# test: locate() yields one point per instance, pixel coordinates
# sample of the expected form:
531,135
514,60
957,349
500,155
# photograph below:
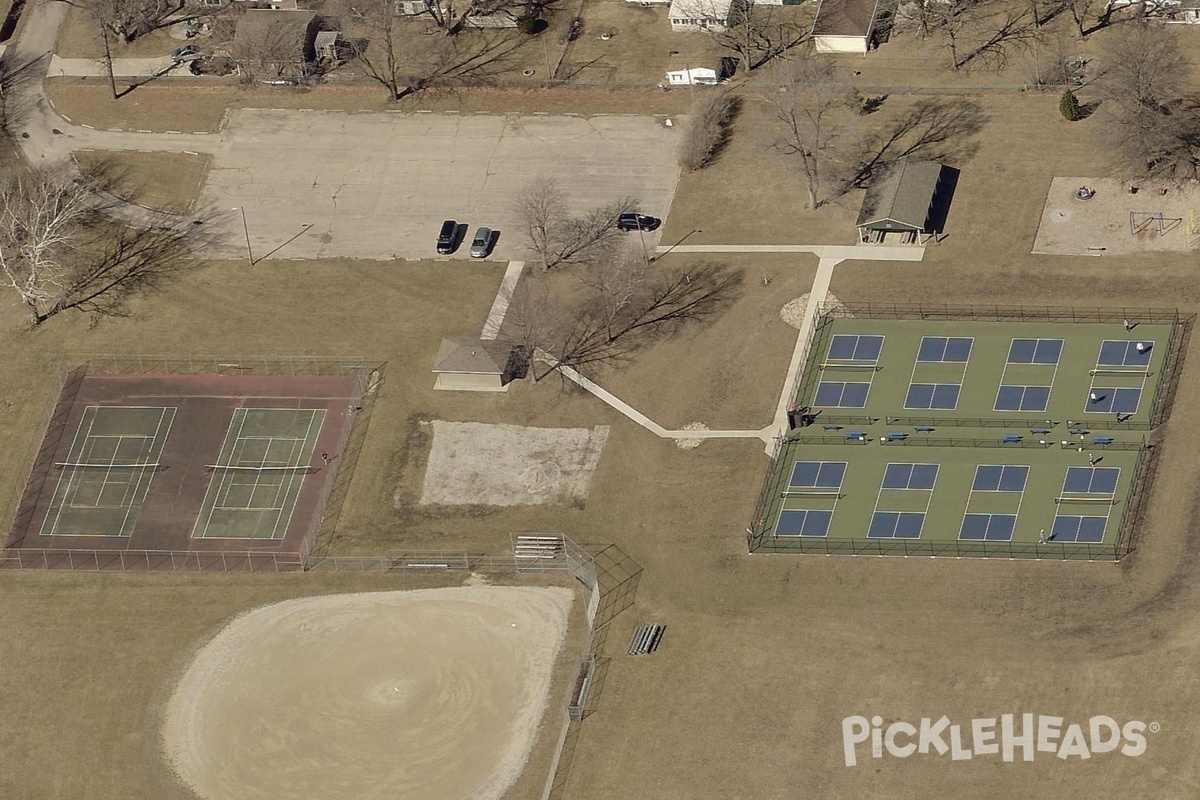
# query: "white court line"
317,413
137,487
216,486
74,470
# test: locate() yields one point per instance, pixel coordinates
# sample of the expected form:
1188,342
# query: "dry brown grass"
641,49
161,181
185,105
763,655
80,38
80,725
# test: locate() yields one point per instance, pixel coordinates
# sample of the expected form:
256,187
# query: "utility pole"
112,81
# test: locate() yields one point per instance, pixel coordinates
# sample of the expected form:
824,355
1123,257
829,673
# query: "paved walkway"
495,318
872,252
830,256
122,67
820,289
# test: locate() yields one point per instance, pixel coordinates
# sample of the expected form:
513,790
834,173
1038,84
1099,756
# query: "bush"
1068,105
709,129
530,24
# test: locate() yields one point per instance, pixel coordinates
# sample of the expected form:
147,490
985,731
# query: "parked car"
633,222
189,52
481,245
447,241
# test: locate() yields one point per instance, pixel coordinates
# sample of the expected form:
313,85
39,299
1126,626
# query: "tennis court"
968,437
107,473
258,475
149,469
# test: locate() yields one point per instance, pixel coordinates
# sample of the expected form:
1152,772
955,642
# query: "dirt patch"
426,694
691,444
473,463
793,310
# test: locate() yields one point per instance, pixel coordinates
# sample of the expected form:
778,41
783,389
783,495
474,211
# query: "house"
1182,12
903,200
844,26
269,44
699,15
700,71
476,365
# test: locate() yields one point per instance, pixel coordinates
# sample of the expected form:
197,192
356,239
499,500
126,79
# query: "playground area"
1095,217
990,434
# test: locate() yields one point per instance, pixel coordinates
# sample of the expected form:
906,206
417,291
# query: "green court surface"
968,437
108,470
986,370
259,474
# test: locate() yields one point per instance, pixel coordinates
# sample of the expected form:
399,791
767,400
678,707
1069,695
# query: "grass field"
764,655
161,181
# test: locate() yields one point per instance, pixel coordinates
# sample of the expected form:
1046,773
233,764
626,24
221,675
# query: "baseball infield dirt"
432,694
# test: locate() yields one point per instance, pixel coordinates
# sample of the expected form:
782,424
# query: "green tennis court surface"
259,474
107,473
967,437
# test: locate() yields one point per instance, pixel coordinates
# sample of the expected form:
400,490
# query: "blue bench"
1039,431
1078,431
1102,440
855,435
923,428
896,436
832,427
1010,437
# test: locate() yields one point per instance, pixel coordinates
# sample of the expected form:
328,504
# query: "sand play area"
1113,220
433,694
475,463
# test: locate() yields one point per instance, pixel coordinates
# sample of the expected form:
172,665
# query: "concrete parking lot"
377,186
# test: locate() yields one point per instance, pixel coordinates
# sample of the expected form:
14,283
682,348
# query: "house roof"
902,194
844,18
475,356
699,9
281,26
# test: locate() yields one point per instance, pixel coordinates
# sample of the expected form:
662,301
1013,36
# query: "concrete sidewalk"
841,252
122,67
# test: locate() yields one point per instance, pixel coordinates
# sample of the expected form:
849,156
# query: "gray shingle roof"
903,194
476,356
844,18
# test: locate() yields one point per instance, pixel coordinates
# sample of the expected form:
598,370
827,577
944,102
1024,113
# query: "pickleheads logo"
1027,733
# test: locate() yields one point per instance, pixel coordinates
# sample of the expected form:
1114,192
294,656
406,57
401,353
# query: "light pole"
246,230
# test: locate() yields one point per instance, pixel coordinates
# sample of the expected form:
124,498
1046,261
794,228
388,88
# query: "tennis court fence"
999,313
938,549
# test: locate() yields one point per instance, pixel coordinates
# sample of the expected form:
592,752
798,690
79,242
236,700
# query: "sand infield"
432,694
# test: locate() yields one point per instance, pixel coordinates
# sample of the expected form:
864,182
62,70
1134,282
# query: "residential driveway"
378,185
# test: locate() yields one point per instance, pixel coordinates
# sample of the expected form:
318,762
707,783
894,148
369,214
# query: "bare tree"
934,129
1142,68
757,33
709,128
399,54
814,107
129,19
619,313
556,236
452,18
1151,126
267,46
58,252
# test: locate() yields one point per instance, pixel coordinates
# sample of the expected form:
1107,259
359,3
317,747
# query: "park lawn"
161,181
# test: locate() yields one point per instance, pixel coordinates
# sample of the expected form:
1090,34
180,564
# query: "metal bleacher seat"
1010,437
